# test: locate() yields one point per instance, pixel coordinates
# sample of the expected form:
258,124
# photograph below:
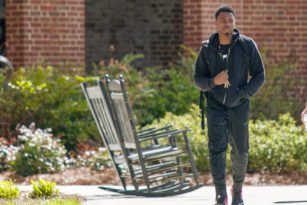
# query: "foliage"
276,95
114,68
278,145
7,155
275,145
167,90
42,192
49,97
39,152
96,160
67,201
8,190
53,201
43,189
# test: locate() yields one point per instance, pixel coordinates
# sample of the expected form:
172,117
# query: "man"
229,70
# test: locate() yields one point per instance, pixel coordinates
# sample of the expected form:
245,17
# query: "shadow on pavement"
289,202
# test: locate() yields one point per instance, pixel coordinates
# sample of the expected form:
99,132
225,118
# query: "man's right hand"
221,78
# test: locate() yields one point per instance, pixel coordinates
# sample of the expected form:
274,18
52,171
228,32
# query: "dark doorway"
115,28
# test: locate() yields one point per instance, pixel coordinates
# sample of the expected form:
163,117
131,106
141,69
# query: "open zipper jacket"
245,71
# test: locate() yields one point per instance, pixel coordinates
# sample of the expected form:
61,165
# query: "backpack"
203,93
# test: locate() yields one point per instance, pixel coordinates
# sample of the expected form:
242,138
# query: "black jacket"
243,61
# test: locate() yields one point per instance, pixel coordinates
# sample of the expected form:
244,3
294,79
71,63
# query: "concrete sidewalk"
253,195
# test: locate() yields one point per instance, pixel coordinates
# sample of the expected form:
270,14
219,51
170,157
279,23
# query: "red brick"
38,26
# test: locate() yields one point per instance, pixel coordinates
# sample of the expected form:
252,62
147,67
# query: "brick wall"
199,20
151,27
278,26
50,30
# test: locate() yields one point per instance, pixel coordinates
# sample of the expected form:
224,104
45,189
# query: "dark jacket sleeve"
202,75
256,72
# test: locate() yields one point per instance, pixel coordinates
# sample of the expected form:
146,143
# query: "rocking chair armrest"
166,134
146,130
153,130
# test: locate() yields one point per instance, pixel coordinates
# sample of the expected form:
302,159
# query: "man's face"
225,23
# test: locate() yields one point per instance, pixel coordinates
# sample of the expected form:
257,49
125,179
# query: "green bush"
8,190
51,98
7,155
66,201
167,90
39,153
69,200
277,94
43,189
275,146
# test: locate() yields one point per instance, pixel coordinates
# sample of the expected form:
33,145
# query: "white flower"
101,149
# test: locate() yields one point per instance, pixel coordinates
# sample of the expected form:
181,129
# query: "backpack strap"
205,46
202,109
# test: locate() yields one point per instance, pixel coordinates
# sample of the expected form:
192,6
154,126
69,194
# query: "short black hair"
224,8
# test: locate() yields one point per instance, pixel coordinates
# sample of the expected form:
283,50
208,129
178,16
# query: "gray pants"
227,125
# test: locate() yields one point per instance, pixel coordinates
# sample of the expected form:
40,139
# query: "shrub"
62,200
39,152
276,95
8,190
7,155
43,189
167,90
275,145
51,98
96,160
66,201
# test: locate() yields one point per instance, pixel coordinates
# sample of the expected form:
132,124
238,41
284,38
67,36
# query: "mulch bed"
85,176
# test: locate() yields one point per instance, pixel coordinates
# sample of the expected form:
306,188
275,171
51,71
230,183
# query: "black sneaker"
236,197
221,200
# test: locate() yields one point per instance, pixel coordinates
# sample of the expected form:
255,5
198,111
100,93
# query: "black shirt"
224,50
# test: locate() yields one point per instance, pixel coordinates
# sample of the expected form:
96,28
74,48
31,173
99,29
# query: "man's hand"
222,79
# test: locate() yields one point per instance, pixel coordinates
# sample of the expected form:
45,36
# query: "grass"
44,193
54,201
8,190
